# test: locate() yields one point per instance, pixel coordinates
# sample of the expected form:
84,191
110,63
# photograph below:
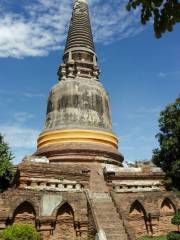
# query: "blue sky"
141,73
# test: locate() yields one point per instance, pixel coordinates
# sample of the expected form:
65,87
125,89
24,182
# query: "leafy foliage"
173,236
6,169
168,156
176,219
20,232
165,13
153,238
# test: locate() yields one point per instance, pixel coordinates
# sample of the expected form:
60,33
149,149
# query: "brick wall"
148,213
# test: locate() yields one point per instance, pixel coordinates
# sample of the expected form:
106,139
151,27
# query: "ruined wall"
137,219
148,213
65,224
63,217
53,199
24,213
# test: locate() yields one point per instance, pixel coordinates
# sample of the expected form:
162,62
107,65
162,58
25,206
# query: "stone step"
115,221
117,227
105,208
115,231
105,204
102,197
119,232
112,236
111,224
111,212
108,217
118,238
104,213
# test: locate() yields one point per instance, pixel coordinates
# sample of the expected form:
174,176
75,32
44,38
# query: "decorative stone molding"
136,186
36,159
77,135
50,185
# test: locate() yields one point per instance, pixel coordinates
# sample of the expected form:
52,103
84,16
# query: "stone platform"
66,200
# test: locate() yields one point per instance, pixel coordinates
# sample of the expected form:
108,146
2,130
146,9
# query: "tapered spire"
79,58
80,34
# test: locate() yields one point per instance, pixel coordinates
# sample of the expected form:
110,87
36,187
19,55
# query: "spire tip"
84,1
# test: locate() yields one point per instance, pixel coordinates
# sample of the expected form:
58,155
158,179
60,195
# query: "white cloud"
22,94
145,112
168,74
18,136
161,74
21,117
137,143
40,25
20,153
111,21
21,139
33,95
149,110
36,32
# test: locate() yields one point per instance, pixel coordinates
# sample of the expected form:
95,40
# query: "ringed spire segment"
80,34
79,58
84,1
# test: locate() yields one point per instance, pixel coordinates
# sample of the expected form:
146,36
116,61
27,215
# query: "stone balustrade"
137,187
51,185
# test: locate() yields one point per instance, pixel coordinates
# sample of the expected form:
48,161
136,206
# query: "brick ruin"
75,184
70,200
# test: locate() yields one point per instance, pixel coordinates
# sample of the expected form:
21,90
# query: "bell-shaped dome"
78,111
78,104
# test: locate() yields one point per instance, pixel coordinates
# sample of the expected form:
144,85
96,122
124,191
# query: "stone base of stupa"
65,199
79,153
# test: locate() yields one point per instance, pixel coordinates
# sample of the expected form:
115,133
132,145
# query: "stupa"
75,185
78,113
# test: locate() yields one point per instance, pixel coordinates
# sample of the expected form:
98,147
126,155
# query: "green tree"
168,156
6,168
176,219
20,232
165,13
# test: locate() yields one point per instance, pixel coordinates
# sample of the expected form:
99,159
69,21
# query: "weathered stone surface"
123,180
64,221
148,213
49,203
78,103
54,211
81,153
77,189
80,17
110,224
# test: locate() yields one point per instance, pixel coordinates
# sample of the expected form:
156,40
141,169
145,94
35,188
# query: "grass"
153,238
